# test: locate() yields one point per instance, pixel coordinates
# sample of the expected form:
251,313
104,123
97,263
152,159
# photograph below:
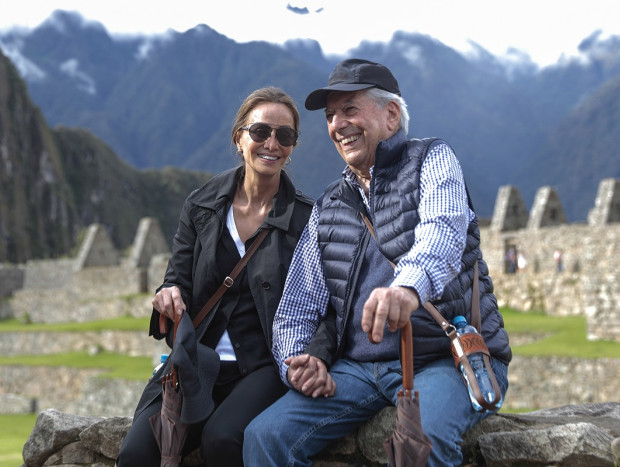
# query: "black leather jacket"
192,265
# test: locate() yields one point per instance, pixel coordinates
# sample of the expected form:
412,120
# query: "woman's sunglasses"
261,132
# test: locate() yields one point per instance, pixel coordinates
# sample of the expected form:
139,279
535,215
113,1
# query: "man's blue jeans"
297,427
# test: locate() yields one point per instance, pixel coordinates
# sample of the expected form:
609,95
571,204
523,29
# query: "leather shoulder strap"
475,300
230,279
428,306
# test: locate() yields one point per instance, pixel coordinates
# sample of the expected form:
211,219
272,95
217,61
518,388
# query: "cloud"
84,82
302,11
297,10
27,69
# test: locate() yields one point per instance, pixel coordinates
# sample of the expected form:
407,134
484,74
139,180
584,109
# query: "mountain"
57,182
169,100
587,146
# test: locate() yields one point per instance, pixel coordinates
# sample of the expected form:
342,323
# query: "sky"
544,29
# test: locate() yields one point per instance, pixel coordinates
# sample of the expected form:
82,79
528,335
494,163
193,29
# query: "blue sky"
544,29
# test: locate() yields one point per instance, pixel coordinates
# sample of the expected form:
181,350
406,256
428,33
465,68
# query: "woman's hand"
168,301
309,376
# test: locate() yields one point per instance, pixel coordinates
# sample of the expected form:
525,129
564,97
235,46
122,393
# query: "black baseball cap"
353,74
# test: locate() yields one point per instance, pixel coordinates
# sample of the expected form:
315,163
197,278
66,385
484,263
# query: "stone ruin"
607,207
72,289
588,284
585,280
510,213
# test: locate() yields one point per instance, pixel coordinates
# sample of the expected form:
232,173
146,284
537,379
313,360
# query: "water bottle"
477,365
163,358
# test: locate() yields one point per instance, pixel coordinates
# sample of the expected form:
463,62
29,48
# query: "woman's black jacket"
192,265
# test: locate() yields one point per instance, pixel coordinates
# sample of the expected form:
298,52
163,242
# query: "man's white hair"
382,98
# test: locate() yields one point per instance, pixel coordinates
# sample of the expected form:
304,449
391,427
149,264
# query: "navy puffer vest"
343,238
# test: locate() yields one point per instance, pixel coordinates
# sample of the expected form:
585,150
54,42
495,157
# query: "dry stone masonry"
572,436
537,261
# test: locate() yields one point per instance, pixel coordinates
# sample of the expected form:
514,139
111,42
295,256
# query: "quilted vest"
343,237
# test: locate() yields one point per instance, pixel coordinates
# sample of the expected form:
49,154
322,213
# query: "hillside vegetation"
54,183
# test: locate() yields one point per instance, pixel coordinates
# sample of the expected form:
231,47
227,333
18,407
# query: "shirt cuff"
415,278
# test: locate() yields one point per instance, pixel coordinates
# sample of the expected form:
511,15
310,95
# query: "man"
341,289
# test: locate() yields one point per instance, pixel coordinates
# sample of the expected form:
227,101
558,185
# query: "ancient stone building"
537,261
562,269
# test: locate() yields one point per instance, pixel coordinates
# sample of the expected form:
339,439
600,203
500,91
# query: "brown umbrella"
186,391
408,446
170,432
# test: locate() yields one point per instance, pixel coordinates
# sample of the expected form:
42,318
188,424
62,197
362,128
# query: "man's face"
356,125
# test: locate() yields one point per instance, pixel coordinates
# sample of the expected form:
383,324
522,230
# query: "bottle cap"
459,319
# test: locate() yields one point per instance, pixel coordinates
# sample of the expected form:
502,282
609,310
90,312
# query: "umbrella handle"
172,377
163,324
177,320
406,347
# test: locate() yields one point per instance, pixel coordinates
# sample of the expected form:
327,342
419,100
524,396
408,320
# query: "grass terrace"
553,336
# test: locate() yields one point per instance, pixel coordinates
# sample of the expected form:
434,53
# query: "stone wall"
588,282
97,284
571,436
534,382
105,285
589,285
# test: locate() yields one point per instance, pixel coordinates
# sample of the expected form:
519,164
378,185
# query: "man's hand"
391,304
168,301
309,376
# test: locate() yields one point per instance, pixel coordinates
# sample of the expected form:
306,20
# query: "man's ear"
393,115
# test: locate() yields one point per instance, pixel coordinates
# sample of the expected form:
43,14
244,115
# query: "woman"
217,223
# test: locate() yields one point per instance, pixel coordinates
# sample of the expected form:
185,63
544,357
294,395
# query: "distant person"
341,288
557,257
511,260
217,223
521,260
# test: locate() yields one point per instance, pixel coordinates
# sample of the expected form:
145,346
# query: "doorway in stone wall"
510,257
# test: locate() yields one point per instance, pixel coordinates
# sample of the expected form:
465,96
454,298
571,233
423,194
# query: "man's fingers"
381,315
368,313
309,376
325,385
374,315
329,387
393,305
321,378
394,315
296,366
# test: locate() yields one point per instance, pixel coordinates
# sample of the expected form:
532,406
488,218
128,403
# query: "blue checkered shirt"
433,261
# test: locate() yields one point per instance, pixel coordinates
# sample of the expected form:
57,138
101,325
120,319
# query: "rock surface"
574,435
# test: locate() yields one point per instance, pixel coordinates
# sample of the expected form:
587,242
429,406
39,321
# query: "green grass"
14,431
116,324
562,336
115,365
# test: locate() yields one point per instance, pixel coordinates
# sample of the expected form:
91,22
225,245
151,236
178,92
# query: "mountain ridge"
56,182
170,100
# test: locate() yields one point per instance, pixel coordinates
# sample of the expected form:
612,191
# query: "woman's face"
267,157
